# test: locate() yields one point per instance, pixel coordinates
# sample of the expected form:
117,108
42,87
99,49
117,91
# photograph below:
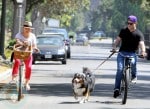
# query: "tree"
59,9
62,9
126,8
102,16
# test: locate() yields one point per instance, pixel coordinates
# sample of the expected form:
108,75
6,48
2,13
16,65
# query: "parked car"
98,35
52,48
82,39
66,37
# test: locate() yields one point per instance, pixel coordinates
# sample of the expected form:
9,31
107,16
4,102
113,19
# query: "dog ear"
85,70
83,76
76,74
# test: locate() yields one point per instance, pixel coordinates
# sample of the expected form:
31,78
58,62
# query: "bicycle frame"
126,79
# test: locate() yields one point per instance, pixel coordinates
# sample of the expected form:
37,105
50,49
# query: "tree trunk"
36,20
16,16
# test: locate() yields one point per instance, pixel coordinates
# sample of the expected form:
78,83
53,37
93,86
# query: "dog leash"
104,61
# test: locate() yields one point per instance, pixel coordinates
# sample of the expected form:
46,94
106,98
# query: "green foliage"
102,16
9,49
8,53
63,9
9,15
11,42
97,21
65,20
77,23
123,9
111,15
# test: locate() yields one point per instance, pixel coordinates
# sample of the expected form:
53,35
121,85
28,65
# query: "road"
51,83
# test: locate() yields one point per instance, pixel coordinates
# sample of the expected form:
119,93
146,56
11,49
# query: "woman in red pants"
25,38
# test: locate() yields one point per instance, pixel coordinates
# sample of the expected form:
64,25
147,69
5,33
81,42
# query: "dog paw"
81,102
76,97
86,100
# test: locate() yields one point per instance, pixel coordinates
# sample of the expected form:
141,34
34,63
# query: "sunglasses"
129,23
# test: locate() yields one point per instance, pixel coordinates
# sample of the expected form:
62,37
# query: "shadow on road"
138,91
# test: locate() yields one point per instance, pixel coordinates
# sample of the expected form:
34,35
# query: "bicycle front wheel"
124,86
20,83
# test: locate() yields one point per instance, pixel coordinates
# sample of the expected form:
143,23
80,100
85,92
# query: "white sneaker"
133,80
27,86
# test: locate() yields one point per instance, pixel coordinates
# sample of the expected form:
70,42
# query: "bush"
9,48
11,42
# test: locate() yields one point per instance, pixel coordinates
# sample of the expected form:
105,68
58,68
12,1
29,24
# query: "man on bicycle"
25,38
129,39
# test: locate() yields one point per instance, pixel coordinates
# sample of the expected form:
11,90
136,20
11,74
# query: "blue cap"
132,18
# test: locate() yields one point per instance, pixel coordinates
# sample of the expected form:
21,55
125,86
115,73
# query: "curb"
5,75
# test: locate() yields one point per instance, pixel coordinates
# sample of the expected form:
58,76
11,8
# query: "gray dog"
83,84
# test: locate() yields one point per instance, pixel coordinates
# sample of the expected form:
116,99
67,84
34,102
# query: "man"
130,39
25,38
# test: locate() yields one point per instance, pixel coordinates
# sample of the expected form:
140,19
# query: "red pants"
28,65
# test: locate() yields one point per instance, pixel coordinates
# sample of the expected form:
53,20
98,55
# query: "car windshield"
56,30
49,41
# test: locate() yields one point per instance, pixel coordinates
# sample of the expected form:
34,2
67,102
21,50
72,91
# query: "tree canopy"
110,15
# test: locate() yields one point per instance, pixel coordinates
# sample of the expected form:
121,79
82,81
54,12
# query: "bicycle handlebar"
139,55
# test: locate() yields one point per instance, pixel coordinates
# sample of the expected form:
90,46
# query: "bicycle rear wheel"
20,83
124,86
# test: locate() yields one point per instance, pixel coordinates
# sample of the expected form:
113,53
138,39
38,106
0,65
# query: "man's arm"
142,48
116,43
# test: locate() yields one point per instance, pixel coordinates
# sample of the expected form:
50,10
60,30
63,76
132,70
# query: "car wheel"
68,55
84,43
64,61
33,62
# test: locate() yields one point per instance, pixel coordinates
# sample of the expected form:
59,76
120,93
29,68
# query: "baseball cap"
132,18
27,24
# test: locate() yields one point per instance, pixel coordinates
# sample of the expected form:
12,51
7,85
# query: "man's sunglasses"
129,23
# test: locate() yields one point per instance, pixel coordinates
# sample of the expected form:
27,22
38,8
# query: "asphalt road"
51,83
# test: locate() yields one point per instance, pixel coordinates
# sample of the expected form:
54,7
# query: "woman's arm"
19,42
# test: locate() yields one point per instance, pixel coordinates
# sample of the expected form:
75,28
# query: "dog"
83,84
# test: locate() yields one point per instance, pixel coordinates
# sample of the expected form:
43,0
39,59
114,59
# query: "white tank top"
31,39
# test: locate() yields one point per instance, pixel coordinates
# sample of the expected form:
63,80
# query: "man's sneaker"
116,93
134,79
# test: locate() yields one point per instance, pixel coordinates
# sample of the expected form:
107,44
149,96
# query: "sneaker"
134,79
13,82
27,86
116,93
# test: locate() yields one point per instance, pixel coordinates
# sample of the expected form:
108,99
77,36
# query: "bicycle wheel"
128,76
20,83
124,86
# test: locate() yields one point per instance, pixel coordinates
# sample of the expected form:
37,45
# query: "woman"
25,38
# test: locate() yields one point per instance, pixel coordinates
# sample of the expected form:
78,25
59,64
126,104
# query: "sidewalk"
5,74
5,69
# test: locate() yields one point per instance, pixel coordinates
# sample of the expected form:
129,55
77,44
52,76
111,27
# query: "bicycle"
22,54
126,77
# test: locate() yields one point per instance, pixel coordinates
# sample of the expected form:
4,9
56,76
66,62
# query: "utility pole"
18,16
2,32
